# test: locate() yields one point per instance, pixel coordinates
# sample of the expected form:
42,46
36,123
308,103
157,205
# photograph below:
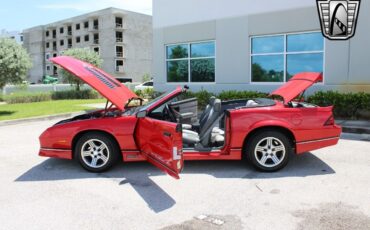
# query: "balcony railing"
69,46
69,33
96,41
119,69
119,26
119,39
54,48
119,54
95,27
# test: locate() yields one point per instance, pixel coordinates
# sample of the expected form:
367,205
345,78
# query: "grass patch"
26,97
25,110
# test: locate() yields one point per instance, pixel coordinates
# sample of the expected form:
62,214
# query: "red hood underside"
105,84
296,85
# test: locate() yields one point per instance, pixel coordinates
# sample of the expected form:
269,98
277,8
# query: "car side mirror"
141,114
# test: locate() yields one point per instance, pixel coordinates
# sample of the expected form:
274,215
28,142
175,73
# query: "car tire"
96,152
269,150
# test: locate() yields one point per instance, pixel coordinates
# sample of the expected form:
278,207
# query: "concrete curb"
40,118
360,126
359,130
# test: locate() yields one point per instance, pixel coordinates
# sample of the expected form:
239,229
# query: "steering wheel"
167,114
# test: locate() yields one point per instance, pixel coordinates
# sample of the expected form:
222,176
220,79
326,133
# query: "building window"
86,38
69,30
78,39
21,38
47,33
48,68
86,24
54,33
77,26
61,30
55,71
277,58
69,43
96,24
119,36
119,66
47,56
119,22
119,51
96,38
96,50
191,62
47,45
61,42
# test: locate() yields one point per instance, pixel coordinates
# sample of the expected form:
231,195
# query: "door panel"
161,143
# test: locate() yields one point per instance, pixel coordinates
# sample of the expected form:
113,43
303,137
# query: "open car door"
161,143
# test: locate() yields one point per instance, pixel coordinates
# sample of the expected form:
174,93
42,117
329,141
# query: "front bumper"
57,153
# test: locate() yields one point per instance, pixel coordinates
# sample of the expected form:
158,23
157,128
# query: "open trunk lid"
296,85
105,84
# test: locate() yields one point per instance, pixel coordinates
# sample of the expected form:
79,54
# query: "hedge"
73,94
346,105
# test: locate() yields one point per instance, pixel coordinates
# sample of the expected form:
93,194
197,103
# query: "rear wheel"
96,152
269,151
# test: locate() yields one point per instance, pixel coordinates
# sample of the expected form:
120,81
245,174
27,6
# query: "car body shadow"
137,174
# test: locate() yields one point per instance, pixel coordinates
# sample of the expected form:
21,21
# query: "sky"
23,14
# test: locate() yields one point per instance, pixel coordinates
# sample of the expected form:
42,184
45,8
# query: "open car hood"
296,85
105,84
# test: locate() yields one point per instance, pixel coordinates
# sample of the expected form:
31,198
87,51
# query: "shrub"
26,97
233,94
346,105
147,93
74,94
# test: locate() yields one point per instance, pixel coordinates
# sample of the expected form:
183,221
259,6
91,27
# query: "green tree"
146,77
82,54
14,62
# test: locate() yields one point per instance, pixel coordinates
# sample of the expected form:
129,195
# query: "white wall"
177,12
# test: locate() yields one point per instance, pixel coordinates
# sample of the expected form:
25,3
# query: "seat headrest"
217,105
251,103
212,100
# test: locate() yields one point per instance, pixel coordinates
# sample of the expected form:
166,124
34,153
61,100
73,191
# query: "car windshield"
147,105
134,109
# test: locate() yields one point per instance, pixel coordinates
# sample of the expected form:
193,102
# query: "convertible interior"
204,131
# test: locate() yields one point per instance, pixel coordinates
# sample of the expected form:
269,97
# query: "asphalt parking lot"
324,189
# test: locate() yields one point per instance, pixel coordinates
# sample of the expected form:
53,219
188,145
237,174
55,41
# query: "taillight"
330,121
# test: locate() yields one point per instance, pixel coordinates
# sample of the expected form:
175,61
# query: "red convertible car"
168,130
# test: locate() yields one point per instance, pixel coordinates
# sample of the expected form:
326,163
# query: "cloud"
141,6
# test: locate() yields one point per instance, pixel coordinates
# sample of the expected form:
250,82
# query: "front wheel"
96,152
269,151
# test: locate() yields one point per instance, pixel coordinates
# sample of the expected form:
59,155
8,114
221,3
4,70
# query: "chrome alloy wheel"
269,152
95,153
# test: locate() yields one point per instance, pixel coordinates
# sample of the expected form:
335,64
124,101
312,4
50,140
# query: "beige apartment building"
122,38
